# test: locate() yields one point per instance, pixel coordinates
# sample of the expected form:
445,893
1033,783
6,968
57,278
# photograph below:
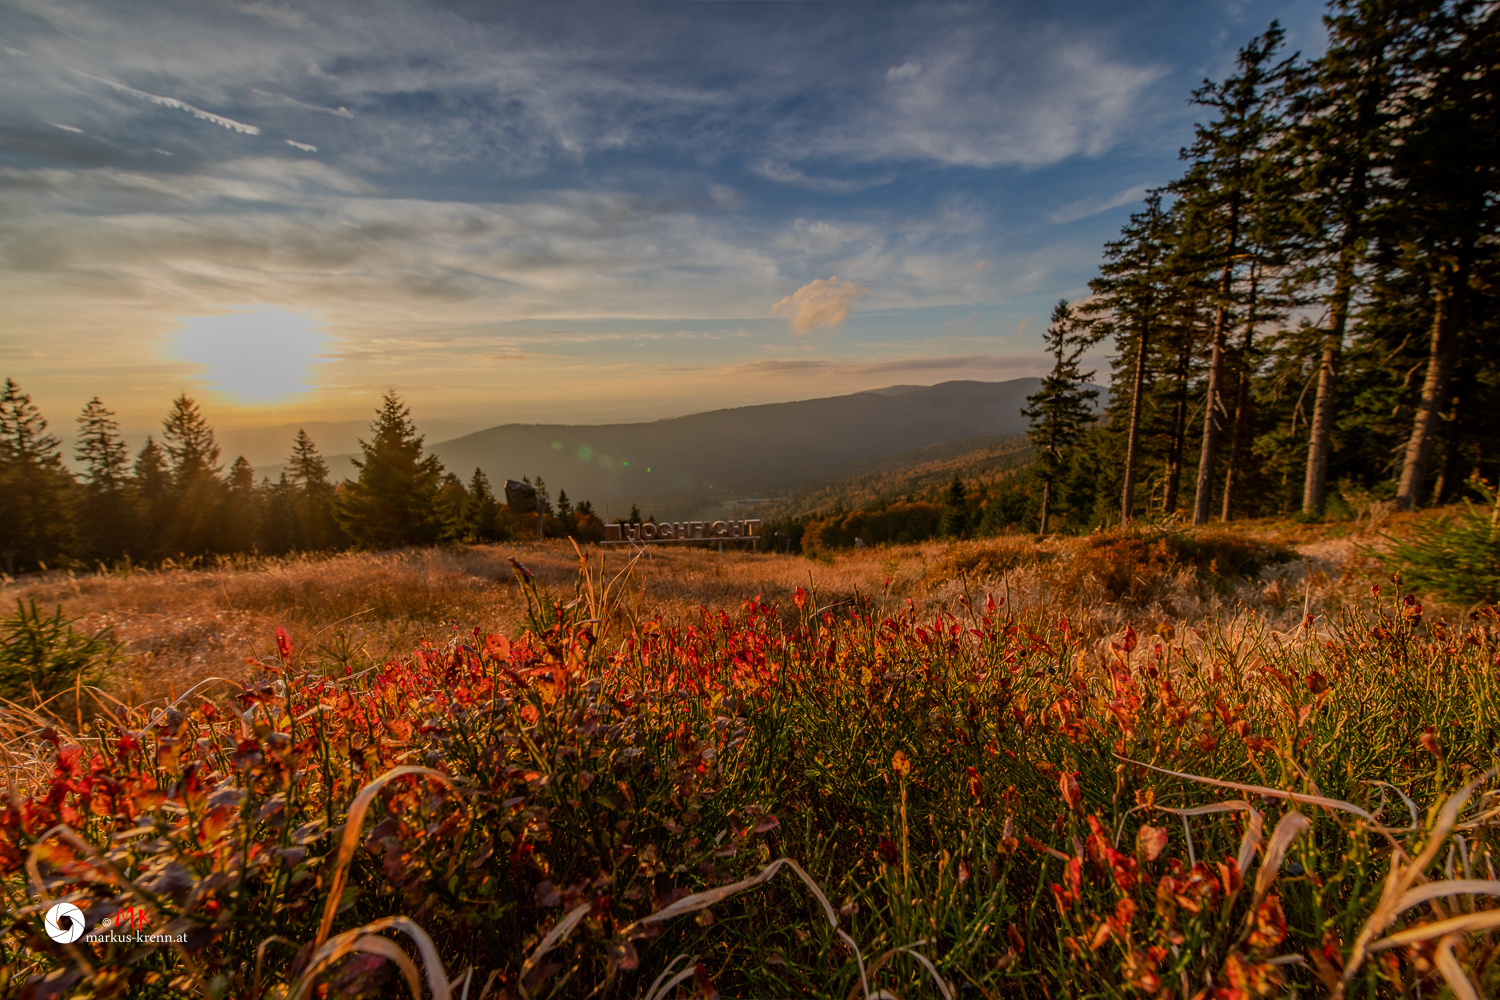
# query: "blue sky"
569,211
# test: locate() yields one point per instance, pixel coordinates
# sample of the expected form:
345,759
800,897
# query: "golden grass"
180,625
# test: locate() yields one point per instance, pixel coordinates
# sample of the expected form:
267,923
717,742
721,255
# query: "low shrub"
42,656
1141,568
898,522
988,560
985,800
1456,558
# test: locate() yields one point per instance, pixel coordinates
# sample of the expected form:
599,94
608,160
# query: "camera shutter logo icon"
64,923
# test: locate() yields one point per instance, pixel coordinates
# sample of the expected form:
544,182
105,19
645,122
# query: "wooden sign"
650,532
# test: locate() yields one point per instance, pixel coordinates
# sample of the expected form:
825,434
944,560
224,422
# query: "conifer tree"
480,520
312,497
452,496
153,490
1447,215
1336,150
36,491
243,515
1129,303
189,441
954,522
543,498
198,493
281,530
1063,407
395,500
1215,191
107,506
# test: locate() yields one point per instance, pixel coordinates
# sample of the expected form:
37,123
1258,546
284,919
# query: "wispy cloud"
172,102
340,111
822,304
1087,208
783,173
1008,364
306,147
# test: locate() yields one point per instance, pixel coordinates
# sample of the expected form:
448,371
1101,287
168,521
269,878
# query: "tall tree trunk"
1315,483
1046,503
1215,406
1445,324
1133,434
1179,431
1241,399
1449,474
1211,412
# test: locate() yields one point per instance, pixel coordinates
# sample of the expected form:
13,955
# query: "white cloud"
987,94
822,304
304,146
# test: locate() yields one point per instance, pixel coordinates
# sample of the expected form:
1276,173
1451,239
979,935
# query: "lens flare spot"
258,355
585,452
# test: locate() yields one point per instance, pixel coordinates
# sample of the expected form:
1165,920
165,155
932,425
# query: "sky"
569,212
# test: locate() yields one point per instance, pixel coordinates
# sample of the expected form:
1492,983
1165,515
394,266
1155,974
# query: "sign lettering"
682,531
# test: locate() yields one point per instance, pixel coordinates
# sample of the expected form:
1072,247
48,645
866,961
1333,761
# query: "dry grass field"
181,624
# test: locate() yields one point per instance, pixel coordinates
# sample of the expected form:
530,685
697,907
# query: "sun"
259,355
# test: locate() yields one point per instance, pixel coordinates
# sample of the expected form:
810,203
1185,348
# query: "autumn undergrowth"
849,797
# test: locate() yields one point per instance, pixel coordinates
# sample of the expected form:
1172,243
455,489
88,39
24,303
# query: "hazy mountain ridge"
682,465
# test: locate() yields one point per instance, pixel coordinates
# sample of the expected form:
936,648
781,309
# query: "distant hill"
695,464
924,474
267,448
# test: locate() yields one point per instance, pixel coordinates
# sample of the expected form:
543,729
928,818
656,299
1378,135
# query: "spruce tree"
189,441
395,500
312,497
107,506
1060,410
243,512
1336,151
452,496
36,491
954,521
1447,217
480,520
1216,192
198,493
543,498
281,530
153,492
1129,304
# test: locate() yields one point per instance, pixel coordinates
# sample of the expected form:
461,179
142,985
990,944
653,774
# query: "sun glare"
258,355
